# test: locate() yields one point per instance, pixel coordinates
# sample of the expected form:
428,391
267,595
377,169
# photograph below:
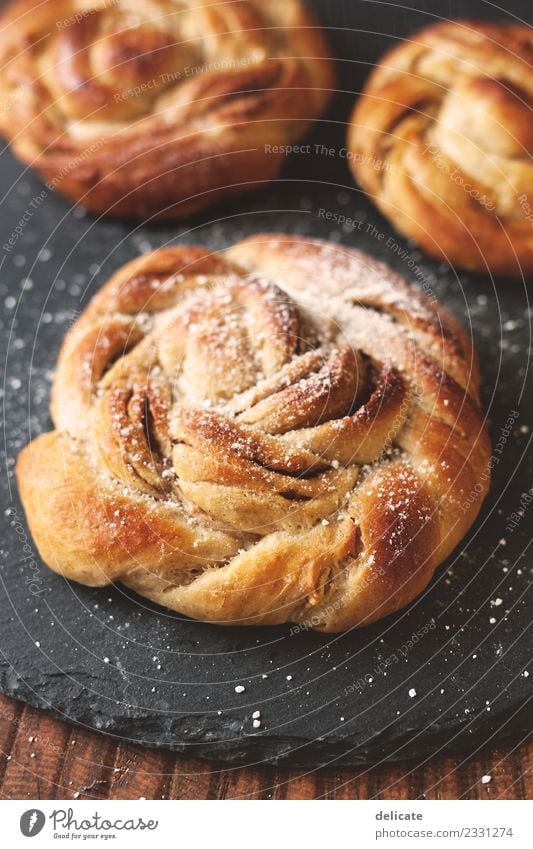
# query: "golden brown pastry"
159,106
281,432
442,139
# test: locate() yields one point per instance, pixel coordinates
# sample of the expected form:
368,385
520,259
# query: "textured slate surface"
111,661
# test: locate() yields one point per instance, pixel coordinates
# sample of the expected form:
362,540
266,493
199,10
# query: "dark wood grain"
47,759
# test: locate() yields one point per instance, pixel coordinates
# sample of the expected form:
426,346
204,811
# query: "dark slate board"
111,661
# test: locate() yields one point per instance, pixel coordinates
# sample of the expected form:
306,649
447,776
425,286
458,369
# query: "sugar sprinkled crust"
281,432
441,138
161,106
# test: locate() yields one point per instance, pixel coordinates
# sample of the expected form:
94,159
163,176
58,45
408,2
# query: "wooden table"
47,759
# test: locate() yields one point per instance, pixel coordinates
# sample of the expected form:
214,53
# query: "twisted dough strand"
156,108
442,140
282,432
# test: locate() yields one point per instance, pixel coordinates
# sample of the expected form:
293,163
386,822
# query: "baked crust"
162,107
442,140
285,431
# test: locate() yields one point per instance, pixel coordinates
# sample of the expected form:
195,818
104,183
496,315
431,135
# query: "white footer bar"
267,825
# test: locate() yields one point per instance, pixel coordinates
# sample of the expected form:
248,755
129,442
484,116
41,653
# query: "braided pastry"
442,138
162,106
282,432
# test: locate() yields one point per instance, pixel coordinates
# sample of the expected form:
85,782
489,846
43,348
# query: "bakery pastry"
281,432
441,138
161,106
